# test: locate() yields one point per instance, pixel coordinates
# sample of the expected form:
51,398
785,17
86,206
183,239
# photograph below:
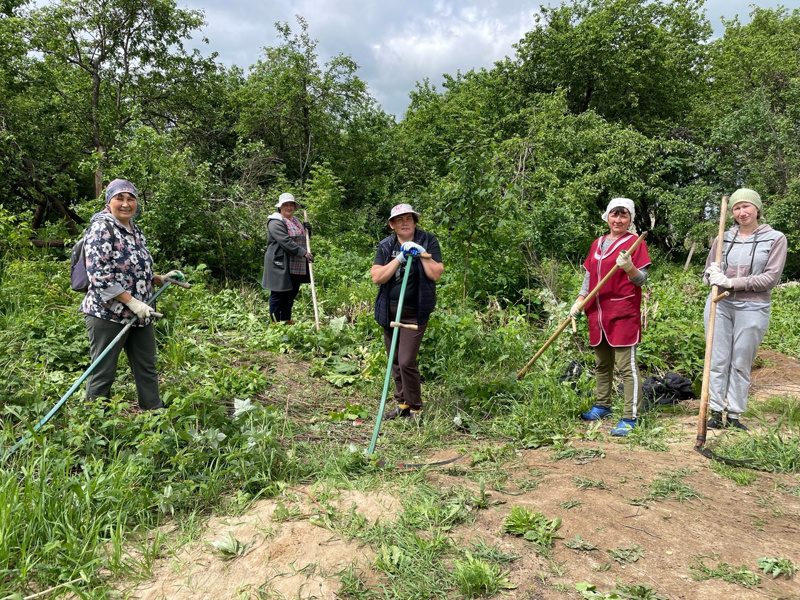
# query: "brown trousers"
407,386
625,358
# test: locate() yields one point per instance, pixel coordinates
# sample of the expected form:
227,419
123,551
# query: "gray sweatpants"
737,336
140,348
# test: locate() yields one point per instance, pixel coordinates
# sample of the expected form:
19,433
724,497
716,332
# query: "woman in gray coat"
286,259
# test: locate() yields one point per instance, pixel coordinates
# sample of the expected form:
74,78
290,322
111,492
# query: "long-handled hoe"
397,325
88,371
585,303
702,417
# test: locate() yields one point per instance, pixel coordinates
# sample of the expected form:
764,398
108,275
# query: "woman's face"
746,214
123,206
618,221
404,226
287,209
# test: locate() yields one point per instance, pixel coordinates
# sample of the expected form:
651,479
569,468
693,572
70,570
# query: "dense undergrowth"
76,500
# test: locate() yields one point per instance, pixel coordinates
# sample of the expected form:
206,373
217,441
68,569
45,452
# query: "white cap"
626,203
284,198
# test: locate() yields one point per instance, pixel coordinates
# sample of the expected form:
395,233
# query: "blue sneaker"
596,412
624,427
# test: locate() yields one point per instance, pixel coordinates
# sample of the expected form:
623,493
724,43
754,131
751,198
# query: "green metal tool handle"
386,379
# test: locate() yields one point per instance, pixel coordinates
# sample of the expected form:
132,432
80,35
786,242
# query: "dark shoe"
735,424
402,410
595,413
624,427
715,421
415,416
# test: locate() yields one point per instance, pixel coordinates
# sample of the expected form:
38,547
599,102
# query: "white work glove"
411,248
712,268
718,279
575,311
141,309
624,261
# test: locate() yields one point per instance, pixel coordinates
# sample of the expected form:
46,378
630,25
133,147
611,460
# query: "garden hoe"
311,275
702,418
397,325
88,371
585,303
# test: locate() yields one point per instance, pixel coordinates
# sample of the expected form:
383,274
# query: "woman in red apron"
615,321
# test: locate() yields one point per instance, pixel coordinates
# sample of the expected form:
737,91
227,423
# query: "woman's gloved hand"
575,311
718,279
174,274
141,309
624,261
412,248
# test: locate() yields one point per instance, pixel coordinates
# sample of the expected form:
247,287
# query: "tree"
632,62
113,61
295,106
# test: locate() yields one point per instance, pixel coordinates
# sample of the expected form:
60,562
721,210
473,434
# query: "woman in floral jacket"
121,278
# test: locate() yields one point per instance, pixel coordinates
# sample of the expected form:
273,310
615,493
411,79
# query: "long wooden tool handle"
311,273
585,302
394,324
702,418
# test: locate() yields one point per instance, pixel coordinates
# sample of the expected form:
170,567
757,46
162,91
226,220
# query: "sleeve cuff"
111,292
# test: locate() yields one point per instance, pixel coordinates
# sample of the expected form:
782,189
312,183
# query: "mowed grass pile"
78,499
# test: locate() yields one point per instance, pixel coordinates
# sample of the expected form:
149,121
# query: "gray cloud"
396,44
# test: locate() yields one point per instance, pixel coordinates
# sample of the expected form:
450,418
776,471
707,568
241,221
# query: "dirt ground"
729,524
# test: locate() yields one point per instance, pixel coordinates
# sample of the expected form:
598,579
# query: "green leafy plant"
532,526
580,544
627,555
777,566
741,576
229,547
585,483
475,577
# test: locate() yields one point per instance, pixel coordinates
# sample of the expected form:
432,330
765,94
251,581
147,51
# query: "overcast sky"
394,43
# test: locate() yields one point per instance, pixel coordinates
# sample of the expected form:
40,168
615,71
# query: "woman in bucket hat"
286,259
615,322
387,271
753,257
121,277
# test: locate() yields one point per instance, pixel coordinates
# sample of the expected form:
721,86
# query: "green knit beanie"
746,195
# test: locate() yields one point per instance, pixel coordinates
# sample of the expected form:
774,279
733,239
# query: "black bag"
78,276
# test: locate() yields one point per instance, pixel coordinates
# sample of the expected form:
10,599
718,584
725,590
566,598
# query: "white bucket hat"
402,209
284,198
626,203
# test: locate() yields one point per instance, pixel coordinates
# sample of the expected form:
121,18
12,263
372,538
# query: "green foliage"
777,566
772,448
477,578
671,487
627,555
534,527
740,576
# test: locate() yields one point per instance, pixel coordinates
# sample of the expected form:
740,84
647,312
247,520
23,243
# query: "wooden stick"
404,325
311,274
585,302
722,296
702,418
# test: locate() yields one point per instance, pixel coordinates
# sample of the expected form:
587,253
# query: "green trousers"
606,357
140,347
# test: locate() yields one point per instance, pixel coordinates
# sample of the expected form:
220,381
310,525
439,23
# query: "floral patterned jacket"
115,264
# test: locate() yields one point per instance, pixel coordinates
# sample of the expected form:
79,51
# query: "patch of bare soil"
727,523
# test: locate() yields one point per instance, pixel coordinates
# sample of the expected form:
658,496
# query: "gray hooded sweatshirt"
753,264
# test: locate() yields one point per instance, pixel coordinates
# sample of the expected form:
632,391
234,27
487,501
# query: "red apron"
616,309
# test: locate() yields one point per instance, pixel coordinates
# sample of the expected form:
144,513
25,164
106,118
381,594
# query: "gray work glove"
718,279
141,309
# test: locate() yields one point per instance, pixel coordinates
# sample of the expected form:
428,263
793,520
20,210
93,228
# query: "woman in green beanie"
753,256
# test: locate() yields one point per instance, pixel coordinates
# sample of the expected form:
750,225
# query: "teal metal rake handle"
386,379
